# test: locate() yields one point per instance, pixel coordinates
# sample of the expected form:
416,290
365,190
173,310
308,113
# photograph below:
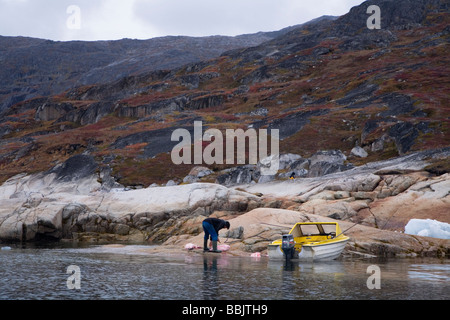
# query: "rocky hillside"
331,84
35,67
362,115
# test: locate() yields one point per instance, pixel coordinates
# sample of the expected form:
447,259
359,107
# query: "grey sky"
143,19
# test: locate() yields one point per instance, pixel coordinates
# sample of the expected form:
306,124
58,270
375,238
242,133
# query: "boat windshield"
313,230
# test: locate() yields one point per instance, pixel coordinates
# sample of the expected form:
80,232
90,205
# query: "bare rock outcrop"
261,226
44,207
383,195
377,200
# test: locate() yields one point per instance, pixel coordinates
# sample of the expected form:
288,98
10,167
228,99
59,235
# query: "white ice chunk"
428,228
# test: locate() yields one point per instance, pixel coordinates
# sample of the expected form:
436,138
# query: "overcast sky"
144,19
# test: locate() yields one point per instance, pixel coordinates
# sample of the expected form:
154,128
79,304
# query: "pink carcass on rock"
221,247
191,246
255,255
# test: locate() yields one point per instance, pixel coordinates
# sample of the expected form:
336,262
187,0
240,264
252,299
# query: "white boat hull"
322,252
318,252
275,252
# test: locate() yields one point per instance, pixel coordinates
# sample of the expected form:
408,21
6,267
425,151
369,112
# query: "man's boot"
214,244
205,245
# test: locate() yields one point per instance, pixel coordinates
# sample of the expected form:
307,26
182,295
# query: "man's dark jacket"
216,223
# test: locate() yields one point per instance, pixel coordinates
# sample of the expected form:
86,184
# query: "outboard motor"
287,246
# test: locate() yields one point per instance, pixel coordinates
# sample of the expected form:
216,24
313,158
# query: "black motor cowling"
287,246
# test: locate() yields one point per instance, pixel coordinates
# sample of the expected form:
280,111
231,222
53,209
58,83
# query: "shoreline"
379,199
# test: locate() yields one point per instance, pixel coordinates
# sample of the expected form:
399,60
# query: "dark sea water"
41,273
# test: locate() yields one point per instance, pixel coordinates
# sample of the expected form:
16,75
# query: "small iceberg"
428,228
5,248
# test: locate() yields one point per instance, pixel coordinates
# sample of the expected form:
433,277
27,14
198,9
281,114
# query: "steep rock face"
75,168
239,175
321,163
55,111
326,162
92,112
195,101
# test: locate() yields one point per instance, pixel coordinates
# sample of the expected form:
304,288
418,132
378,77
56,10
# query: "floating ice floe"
428,228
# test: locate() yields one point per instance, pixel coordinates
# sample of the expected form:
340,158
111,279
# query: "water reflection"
210,277
311,267
430,272
128,273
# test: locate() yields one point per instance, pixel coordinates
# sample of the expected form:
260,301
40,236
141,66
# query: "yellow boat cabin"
310,241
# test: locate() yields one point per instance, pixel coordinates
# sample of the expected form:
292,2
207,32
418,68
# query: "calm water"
125,273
